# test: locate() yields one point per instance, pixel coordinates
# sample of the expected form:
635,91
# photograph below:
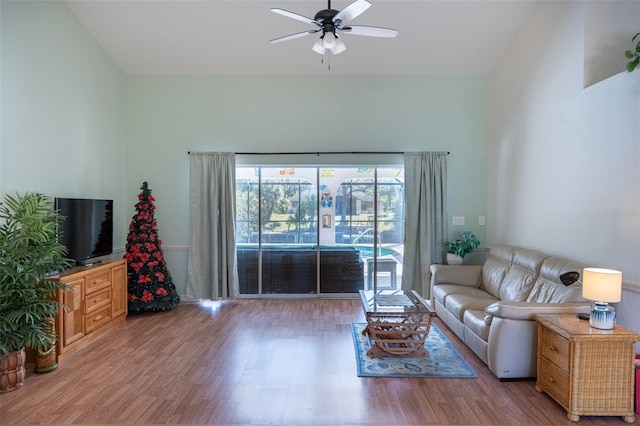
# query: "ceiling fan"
331,22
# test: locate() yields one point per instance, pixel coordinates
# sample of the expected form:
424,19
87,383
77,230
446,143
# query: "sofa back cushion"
549,289
496,267
519,280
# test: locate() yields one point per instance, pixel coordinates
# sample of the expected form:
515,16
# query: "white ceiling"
223,37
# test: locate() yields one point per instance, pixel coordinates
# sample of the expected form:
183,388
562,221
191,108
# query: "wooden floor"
281,362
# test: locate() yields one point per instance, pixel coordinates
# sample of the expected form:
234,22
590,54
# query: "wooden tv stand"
97,303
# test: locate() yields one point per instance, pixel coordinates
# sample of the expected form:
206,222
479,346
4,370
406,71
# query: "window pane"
319,222
289,206
390,229
247,229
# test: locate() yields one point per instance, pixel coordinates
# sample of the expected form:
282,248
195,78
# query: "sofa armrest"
468,275
528,310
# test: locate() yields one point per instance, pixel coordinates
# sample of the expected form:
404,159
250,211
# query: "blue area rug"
443,359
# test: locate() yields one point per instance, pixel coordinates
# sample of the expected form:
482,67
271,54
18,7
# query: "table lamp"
602,286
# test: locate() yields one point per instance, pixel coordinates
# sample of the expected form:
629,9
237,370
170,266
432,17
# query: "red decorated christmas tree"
150,285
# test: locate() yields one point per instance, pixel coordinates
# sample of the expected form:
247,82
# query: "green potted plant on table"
29,254
465,244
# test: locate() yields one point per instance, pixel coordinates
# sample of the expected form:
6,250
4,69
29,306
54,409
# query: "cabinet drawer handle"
553,348
552,380
98,318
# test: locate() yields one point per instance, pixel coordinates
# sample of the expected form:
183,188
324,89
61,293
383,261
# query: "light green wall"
63,118
564,161
170,115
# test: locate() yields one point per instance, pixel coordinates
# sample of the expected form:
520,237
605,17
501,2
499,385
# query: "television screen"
87,230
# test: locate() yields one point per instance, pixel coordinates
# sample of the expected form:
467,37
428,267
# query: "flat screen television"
87,228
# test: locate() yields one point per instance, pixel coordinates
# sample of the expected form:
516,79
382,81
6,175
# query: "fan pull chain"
328,55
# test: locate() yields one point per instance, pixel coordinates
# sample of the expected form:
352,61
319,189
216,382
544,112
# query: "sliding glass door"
318,230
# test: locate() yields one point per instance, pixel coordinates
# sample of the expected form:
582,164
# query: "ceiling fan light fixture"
329,39
318,46
339,47
332,24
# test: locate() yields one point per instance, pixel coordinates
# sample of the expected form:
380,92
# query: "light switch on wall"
481,220
458,220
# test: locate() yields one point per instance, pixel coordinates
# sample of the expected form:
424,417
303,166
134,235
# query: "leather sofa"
491,307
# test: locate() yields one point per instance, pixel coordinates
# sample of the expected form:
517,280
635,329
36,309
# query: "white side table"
383,265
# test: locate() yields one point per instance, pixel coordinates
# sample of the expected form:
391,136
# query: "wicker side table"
589,372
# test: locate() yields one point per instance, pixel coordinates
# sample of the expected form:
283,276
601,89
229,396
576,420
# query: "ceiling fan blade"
370,31
294,16
292,36
351,11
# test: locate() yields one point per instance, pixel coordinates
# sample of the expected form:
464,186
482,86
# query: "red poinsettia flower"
132,297
136,266
129,257
160,276
132,236
146,296
158,255
150,246
144,279
161,291
143,257
151,198
152,264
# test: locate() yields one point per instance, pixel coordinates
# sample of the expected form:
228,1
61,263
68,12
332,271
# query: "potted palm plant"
465,244
29,254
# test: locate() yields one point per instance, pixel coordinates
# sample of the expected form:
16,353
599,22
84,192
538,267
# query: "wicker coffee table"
397,322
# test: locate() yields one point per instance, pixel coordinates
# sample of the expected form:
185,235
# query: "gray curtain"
211,272
425,176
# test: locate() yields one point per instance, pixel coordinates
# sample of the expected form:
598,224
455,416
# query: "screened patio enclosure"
319,230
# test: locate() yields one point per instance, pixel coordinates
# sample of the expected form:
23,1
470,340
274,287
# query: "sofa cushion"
458,303
474,321
441,291
528,311
520,278
468,275
549,289
496,267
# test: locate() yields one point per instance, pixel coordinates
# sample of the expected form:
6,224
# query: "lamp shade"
338,47
329,39
602,285
318,46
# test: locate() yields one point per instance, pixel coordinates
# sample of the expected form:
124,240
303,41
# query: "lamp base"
602,316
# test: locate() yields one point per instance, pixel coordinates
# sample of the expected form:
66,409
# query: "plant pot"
46,361
12,371
453,259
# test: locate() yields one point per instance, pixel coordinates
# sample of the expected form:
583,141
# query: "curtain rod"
319,153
